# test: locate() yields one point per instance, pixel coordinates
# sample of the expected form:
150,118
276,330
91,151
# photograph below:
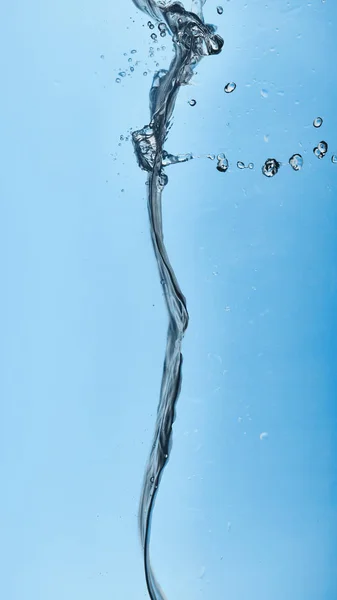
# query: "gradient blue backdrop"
83,321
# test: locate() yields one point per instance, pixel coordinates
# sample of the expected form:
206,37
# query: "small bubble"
264,93
161,26
132,69
133,51
219,10
122,73
150,25
251,166
192,102
152,479
118,80
334,159
145,73
154,36
102,56
230,87
318,122
222,164
296,162
264,435
270,167
240,165
162,33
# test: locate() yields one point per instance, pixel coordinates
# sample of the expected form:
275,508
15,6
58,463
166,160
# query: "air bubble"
270,167
240,165
296,162
192,102
323,147
118,80
150,25
222,164
334,159
318,122
219,10
122,73
251,166
154,36
230,87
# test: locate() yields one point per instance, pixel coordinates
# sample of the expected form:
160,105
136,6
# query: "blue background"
83,321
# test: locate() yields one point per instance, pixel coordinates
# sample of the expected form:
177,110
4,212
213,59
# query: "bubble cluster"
321,149
270,167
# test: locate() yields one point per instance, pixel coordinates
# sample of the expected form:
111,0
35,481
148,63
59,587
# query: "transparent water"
246,504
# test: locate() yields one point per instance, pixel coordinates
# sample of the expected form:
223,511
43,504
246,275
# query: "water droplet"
240,165
192,102
230,87
122,73
318,122
270,167
251,166
118,80
296,162
132,69
133,51
222,164
334,159
145,73
219,10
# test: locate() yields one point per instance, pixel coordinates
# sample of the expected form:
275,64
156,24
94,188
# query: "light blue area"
83,320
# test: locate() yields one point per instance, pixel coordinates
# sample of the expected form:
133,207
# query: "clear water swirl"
192,39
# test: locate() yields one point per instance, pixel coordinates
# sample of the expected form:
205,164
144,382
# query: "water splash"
192,40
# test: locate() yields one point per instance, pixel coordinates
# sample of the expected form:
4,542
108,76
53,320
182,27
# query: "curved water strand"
192,40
